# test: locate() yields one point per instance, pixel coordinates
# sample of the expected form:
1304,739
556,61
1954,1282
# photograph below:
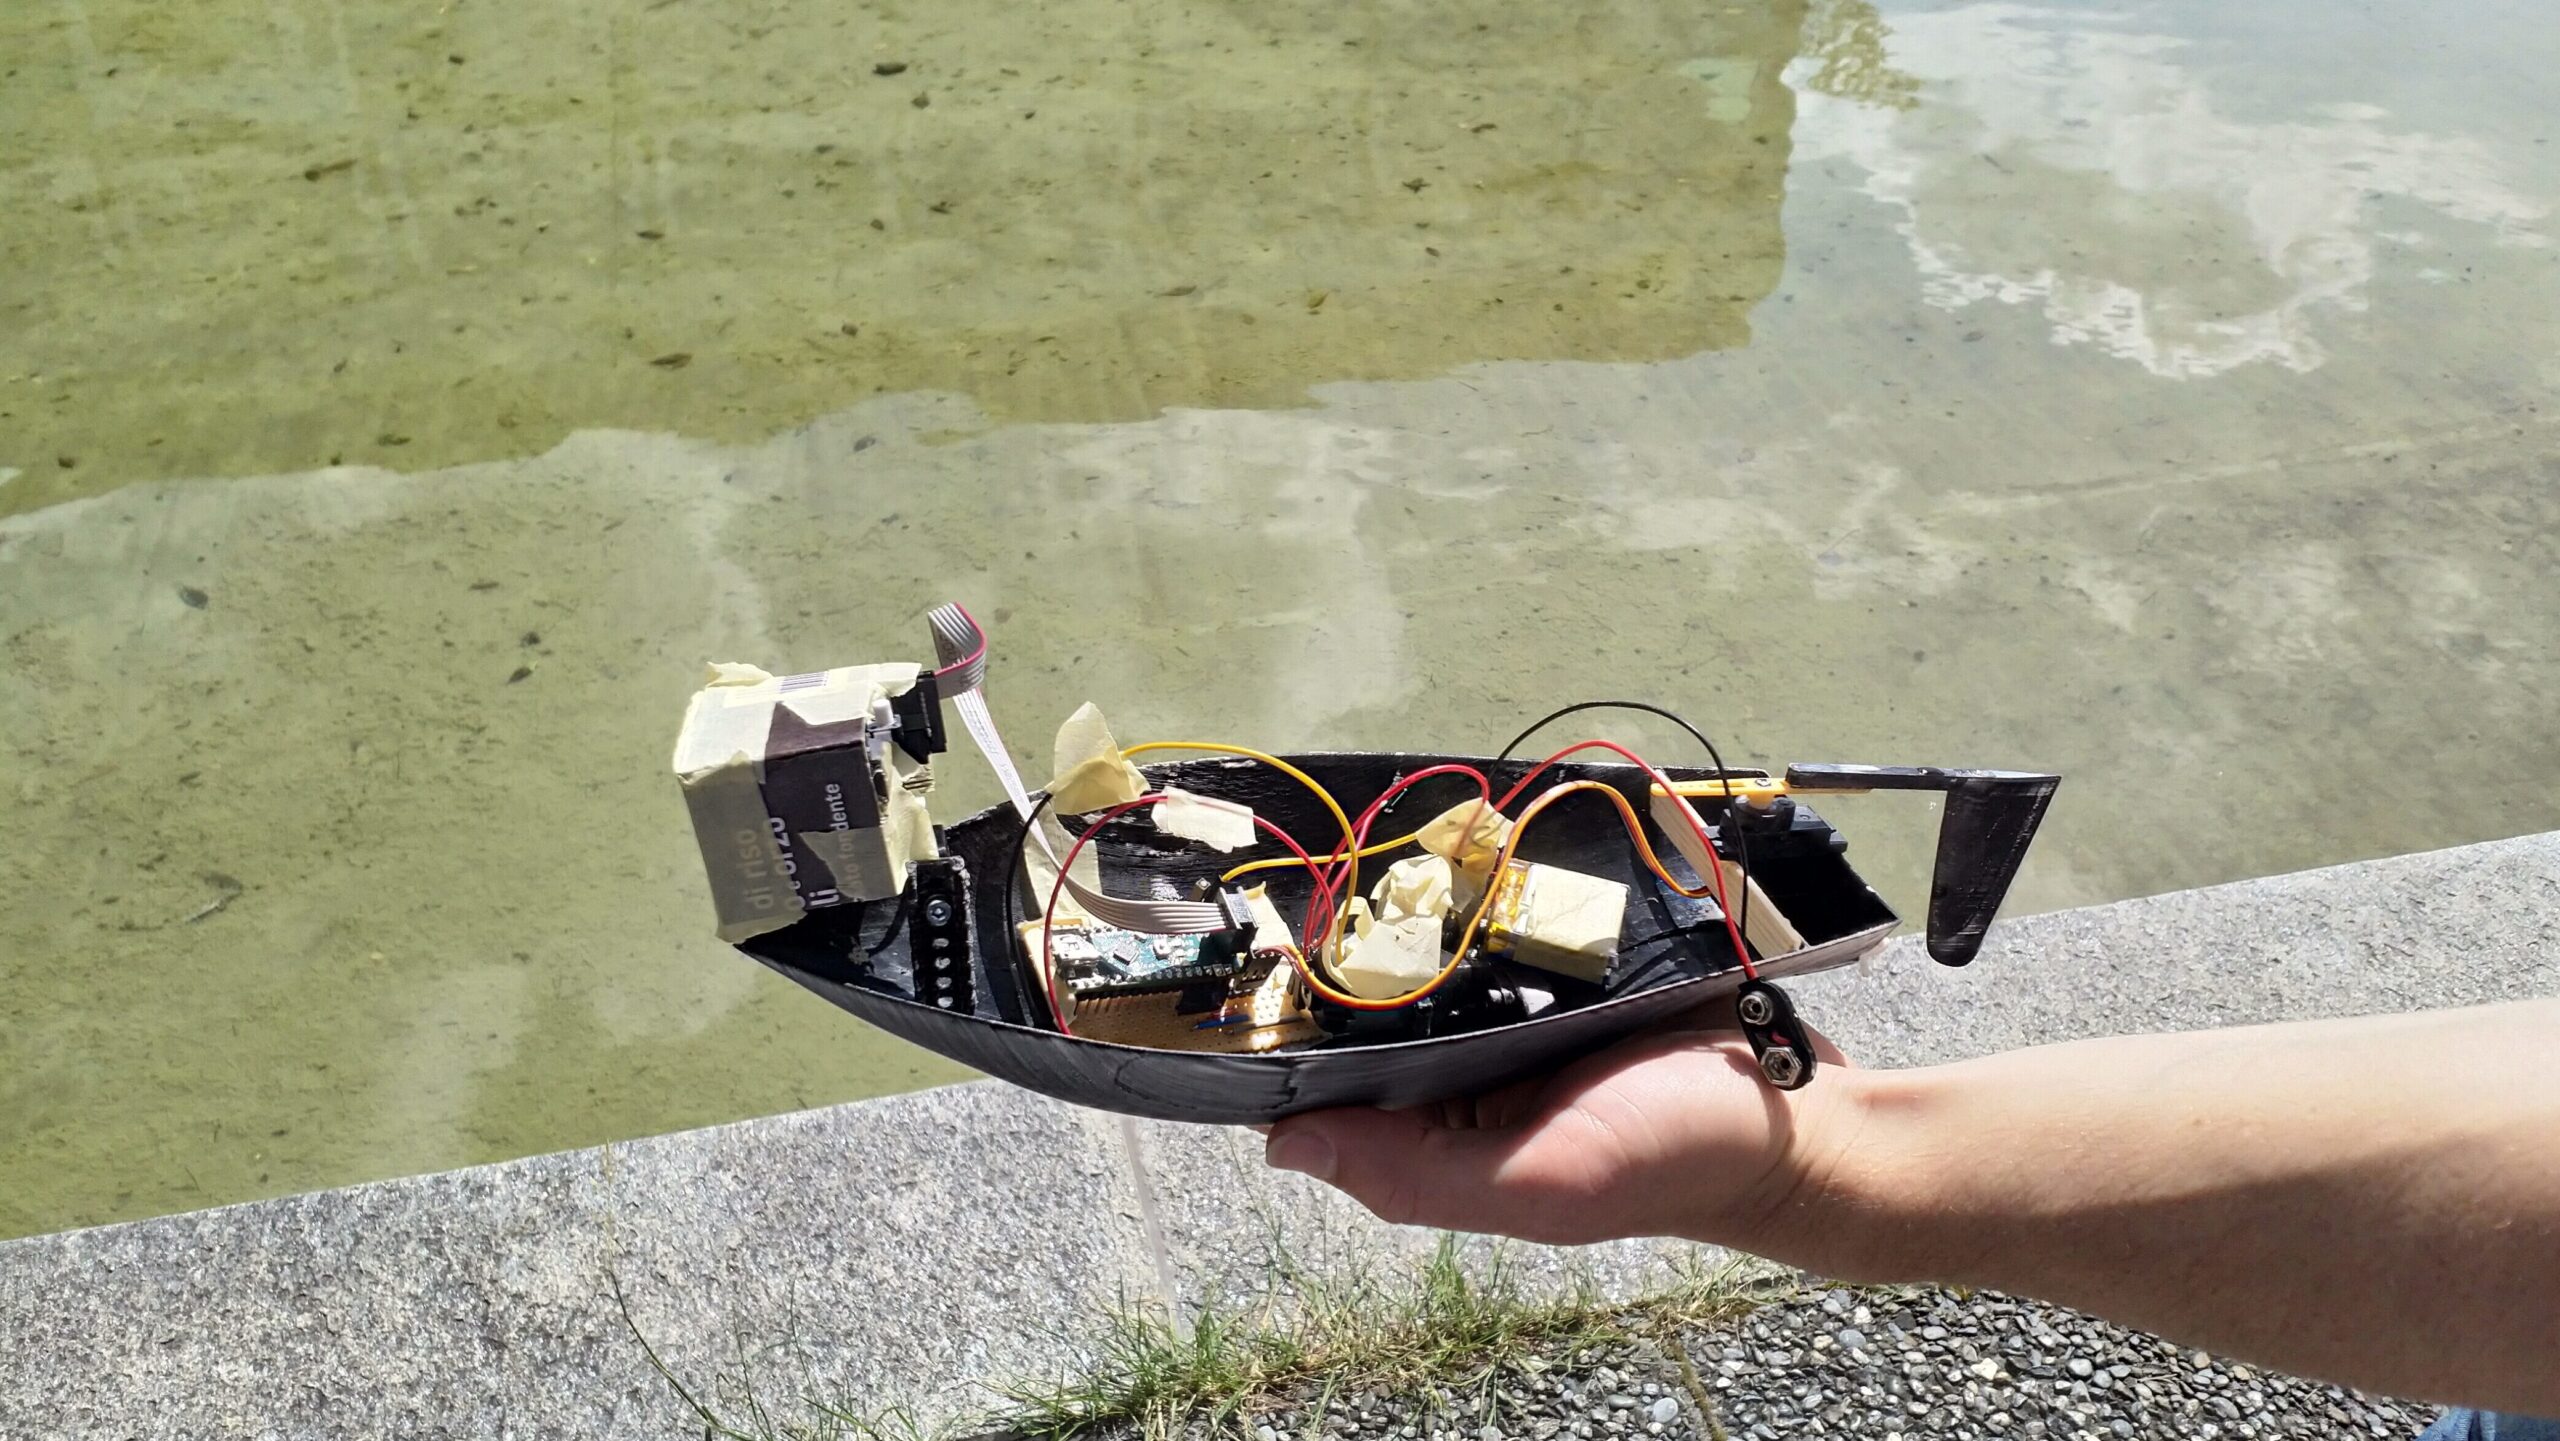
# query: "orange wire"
1715,873
1635,831
1546,798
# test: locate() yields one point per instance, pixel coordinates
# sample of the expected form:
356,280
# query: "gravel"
1919,1366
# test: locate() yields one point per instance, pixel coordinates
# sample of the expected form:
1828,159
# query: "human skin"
2373,1201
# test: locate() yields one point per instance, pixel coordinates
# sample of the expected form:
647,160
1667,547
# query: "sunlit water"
2163,394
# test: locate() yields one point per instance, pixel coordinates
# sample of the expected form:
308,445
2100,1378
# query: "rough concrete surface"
883,1249
907,1250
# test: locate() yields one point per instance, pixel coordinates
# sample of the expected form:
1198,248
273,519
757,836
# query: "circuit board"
1255,1015
1100,961
1177,992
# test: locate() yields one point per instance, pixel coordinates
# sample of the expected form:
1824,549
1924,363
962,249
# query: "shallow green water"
2161,394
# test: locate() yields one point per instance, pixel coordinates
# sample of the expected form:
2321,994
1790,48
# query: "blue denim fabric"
2460,1424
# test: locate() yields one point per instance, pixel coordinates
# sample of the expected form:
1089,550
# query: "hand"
1672,1133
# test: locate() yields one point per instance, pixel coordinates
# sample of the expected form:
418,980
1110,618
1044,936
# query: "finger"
1497,1109
1409,1172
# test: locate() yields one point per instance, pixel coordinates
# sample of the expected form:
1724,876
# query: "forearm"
2373,1201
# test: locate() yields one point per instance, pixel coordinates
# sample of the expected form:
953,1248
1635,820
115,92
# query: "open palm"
1669,1133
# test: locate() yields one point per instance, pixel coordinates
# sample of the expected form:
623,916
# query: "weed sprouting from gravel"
1441,1325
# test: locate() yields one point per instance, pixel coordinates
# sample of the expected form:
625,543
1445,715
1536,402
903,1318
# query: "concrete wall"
907,1250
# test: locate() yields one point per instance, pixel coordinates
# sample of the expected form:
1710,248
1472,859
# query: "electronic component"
1478,996
1774,824
1211,991
1797,832
1237,939
1555,919
1096,961
916,714
1777,1037
1394,941
1256,1010
940,936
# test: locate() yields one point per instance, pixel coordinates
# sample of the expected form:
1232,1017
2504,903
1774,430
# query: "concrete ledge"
2458,927
904,1251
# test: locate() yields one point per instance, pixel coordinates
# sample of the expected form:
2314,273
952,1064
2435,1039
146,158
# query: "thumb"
1406,1171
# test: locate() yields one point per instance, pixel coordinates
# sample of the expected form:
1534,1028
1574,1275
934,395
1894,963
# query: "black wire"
1014,880
1741,843
897,923
1014,875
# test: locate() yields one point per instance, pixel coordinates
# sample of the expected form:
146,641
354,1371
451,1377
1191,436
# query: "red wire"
1360,842
1048,914
1715,873
972,657
1360,830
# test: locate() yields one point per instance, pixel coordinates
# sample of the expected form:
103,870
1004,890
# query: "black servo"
939,936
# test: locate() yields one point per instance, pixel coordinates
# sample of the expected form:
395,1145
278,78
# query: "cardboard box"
799,798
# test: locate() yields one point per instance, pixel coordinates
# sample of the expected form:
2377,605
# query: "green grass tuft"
1150,1374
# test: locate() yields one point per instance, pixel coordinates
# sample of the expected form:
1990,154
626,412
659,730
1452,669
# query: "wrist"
1866,1185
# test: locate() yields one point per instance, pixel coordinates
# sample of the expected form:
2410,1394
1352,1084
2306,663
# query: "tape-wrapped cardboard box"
799,798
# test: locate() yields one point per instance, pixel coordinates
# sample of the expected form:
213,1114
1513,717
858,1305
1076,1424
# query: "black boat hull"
1682,969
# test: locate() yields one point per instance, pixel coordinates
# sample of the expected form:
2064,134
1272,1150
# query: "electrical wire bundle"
1335,876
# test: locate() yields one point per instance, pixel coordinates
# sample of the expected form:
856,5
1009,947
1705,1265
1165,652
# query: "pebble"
1979,1368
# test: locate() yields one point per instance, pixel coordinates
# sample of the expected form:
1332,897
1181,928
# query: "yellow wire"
1493,883
1355,853
1351,886
1493,880
1349,837
1377,849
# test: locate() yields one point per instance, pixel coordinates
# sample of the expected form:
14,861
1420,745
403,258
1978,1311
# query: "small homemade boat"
1193,943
